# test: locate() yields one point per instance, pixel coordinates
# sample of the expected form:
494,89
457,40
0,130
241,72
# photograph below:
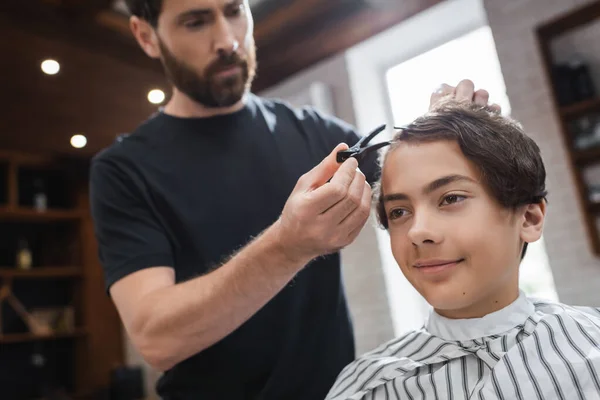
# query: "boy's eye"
396,213
452,199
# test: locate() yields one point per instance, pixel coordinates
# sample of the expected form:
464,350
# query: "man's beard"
206,88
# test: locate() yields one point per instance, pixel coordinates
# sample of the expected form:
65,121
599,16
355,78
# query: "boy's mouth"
436,265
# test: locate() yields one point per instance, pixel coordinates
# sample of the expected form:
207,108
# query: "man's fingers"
481,97
346,173
320,174
353,199
445,89
435,98
355,221
465,90
442,91
327,195
496,107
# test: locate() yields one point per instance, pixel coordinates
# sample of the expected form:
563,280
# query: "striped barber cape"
532,349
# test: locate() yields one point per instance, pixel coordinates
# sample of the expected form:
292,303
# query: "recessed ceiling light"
50,67
78,141
156,96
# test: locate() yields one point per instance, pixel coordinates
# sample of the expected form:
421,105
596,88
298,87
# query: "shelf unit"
31,215
65,272
30,337
579,160
576,110
40,273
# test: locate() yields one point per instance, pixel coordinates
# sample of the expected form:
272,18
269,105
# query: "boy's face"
452,240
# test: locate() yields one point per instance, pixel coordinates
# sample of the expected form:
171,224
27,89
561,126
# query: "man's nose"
225,41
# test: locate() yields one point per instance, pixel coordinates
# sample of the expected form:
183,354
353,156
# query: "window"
472,55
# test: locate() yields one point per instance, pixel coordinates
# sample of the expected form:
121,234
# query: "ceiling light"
78,141
50,67
156,96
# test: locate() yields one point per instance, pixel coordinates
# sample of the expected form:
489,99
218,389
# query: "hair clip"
361,149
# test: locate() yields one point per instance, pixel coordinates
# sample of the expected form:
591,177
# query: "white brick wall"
576,271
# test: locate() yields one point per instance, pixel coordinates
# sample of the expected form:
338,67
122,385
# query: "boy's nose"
423,231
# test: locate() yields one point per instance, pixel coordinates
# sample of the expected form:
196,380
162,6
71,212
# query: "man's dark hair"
509,161
145,9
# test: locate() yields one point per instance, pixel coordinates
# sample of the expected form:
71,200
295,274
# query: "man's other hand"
464,91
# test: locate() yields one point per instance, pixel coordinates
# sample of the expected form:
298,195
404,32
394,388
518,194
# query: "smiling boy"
462,193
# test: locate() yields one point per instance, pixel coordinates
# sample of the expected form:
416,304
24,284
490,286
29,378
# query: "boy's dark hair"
509,161
148,10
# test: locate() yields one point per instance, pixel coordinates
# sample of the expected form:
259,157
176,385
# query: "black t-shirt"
188,193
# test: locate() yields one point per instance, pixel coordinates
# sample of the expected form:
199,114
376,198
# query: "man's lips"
229,70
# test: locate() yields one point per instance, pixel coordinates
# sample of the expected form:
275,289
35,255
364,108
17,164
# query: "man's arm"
170,322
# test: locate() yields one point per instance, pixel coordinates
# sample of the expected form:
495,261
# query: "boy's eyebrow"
446,180
431,187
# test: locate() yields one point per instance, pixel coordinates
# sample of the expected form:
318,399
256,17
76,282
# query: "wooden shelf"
589,156
41,272
563,23
578,109
29,214
30,337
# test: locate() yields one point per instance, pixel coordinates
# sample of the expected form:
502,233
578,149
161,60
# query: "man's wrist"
279,248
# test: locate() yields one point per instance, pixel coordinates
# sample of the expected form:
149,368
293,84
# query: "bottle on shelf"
573,81
586,132
40,200
581,79
24,257
561,75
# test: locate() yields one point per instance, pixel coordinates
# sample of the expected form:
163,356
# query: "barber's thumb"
323,172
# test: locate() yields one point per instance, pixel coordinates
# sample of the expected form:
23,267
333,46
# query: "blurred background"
73,78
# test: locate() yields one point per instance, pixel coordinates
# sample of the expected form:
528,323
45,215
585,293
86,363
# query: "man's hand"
464,91
322,216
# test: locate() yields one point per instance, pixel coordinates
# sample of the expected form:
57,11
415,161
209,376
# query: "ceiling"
101,90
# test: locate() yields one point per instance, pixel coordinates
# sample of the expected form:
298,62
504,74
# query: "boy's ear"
532,221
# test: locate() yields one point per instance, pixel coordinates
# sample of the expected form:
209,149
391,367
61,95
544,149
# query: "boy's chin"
453,309
452,302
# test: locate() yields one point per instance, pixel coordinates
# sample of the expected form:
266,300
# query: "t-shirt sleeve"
129,236
337,131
